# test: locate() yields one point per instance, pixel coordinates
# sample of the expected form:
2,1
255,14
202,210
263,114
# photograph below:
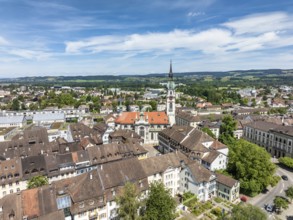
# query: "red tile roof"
153,117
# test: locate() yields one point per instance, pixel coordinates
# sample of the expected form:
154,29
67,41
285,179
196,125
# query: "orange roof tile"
74,157
30,202
153,117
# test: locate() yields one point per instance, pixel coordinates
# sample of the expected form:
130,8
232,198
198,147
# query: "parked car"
243,198
284,177
269,208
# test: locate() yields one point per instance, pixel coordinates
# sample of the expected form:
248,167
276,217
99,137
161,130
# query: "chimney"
91,176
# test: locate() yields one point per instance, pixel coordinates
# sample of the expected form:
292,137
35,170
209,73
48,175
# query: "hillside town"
90,143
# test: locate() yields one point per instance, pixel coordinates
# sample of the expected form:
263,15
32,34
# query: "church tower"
171,97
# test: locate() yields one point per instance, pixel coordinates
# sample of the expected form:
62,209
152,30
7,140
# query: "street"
279,190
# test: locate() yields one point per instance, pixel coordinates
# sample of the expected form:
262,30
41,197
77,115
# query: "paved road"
279,190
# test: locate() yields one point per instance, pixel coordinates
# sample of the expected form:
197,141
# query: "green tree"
15,105
154,104
33,106
244,101
37,181
251,165
247,212
227,129
209,132
287,161
289,192
128,202
281,203
159,203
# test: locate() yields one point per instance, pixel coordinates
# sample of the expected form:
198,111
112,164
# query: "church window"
141,131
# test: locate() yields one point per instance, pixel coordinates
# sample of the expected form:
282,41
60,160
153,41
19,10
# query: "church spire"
171,72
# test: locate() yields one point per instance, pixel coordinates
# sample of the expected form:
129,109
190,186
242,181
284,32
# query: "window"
11,191
63,202
102,216
141,131
4,193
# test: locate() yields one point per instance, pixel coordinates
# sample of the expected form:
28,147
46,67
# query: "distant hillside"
185,77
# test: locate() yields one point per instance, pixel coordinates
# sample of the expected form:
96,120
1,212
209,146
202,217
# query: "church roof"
151,117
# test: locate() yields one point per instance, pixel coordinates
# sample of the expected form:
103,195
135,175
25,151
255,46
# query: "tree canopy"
247,212
209,132
289,192
227,129
286,161
37,181
251,165
281,203
128,202
159,203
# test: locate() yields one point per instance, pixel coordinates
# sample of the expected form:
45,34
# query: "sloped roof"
11,204
160,163
176,132
117,173
152,117
188,116
200,173
217,145
11,119
211,156
226,180
195,139
38,202
49,117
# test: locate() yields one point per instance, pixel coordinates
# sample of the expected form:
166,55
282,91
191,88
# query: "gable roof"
226,180
211,156
200,173
151,117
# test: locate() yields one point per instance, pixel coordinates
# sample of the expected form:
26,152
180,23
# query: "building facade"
276,139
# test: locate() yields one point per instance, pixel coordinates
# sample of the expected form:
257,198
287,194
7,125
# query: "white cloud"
30,54
195,14
3,41
260,23
178,39
251,33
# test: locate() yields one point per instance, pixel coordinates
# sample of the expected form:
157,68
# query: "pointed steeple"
171,72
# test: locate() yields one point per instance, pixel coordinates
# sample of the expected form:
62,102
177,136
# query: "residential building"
276,139
195,144
227,187
12,121
187,119
6,133
199,181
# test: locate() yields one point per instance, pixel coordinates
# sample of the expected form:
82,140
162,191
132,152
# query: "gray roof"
200,173
49,117
262,125
11,119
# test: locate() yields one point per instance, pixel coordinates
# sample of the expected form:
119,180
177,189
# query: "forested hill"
267,75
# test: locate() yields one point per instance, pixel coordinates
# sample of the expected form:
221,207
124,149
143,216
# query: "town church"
148,124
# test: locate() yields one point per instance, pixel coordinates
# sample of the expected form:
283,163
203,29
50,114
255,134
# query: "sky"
112,37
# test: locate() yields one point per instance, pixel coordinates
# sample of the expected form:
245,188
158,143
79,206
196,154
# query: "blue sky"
95,37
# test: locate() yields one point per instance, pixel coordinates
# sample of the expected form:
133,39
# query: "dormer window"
113,192
81,205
